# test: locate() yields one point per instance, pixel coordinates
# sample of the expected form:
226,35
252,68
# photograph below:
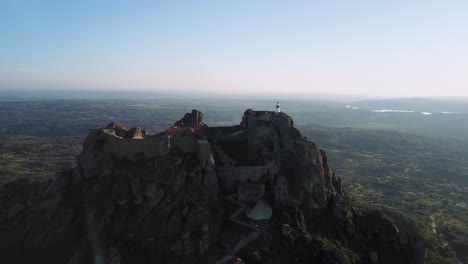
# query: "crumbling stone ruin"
257,192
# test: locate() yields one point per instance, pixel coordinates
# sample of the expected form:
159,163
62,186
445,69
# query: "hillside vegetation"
423,177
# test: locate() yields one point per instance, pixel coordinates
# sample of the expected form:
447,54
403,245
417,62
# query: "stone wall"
230,177
155,146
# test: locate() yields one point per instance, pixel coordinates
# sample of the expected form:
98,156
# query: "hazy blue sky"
395,48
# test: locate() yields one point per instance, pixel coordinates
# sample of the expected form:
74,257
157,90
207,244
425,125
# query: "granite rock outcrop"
257,192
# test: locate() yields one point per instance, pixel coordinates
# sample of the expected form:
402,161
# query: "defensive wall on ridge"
152,146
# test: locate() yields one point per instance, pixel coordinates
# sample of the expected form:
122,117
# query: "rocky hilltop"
257,192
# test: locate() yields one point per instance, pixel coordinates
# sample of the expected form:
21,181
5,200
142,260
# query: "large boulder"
193,119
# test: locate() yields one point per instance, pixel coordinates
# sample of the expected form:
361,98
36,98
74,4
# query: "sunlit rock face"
257,192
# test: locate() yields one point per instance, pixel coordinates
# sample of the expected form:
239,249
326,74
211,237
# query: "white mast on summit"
278,109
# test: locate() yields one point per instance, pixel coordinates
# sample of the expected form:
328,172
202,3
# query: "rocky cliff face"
258,192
